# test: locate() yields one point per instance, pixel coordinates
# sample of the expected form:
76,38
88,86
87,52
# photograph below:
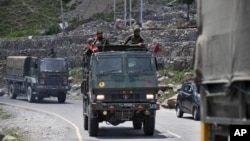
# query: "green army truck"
119,85
37,78
222,67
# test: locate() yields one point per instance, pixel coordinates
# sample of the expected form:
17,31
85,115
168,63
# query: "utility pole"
130,12
114,6
141,12
125,13
63,26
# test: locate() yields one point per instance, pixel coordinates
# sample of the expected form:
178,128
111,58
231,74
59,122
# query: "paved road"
168,127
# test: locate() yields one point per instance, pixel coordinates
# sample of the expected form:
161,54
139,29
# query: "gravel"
33,125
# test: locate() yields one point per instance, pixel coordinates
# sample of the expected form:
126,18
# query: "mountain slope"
41,15
17,15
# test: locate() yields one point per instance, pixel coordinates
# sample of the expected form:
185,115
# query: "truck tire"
137,124
30,96
93,124
12,93
196,114
179,112
61,97
85,122
149,126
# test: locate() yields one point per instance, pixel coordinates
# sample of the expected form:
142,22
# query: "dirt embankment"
88,8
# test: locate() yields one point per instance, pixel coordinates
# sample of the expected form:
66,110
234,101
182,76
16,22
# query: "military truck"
37,78
119,85
222,66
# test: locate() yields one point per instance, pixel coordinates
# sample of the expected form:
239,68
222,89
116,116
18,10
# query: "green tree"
188,3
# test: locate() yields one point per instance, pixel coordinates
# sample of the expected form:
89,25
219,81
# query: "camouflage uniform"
133,39
99,40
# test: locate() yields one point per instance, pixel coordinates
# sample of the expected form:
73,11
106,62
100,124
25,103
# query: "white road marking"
178,136
78,134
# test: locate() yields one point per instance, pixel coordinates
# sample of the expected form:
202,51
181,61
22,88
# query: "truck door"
34,67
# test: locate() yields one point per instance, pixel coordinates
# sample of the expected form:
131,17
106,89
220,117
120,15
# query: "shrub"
52,29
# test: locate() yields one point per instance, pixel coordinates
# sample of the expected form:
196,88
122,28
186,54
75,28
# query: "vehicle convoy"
188,101
119,85
222,66
37,78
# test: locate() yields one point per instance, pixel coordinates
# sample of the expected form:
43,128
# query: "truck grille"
54,81
51,79
125,97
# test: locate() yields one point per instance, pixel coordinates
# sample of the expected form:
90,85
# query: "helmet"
99,32
137,30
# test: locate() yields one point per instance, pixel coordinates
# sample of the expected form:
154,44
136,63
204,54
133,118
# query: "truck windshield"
139,65
109,65
53,65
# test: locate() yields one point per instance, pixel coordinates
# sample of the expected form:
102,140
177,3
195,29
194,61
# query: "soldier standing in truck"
135,39
99,40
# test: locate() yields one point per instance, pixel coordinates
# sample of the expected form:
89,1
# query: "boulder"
70,79
171,74
163,87
161,78
164,104
171,102
9,138
160,93
177,87
75,87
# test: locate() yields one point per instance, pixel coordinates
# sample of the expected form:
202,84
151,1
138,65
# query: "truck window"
53,65
139,65
109,65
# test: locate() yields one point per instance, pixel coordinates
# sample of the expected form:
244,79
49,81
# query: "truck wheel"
179,112
12,93
137,123
30,96
196,114
61,97
85,122
93,124
149,126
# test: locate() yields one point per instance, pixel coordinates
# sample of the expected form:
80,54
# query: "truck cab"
121,85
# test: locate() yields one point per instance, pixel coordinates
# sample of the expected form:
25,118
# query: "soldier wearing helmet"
135,39
99,40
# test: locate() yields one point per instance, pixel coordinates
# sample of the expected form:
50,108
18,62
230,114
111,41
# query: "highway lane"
168,126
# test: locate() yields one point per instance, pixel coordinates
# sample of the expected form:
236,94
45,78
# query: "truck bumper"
51,89
125,106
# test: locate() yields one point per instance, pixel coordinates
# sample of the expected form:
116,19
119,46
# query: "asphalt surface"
168,127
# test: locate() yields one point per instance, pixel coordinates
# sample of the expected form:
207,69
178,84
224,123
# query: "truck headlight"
149,96
100,97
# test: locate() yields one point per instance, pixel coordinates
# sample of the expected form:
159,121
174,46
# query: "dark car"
188,101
